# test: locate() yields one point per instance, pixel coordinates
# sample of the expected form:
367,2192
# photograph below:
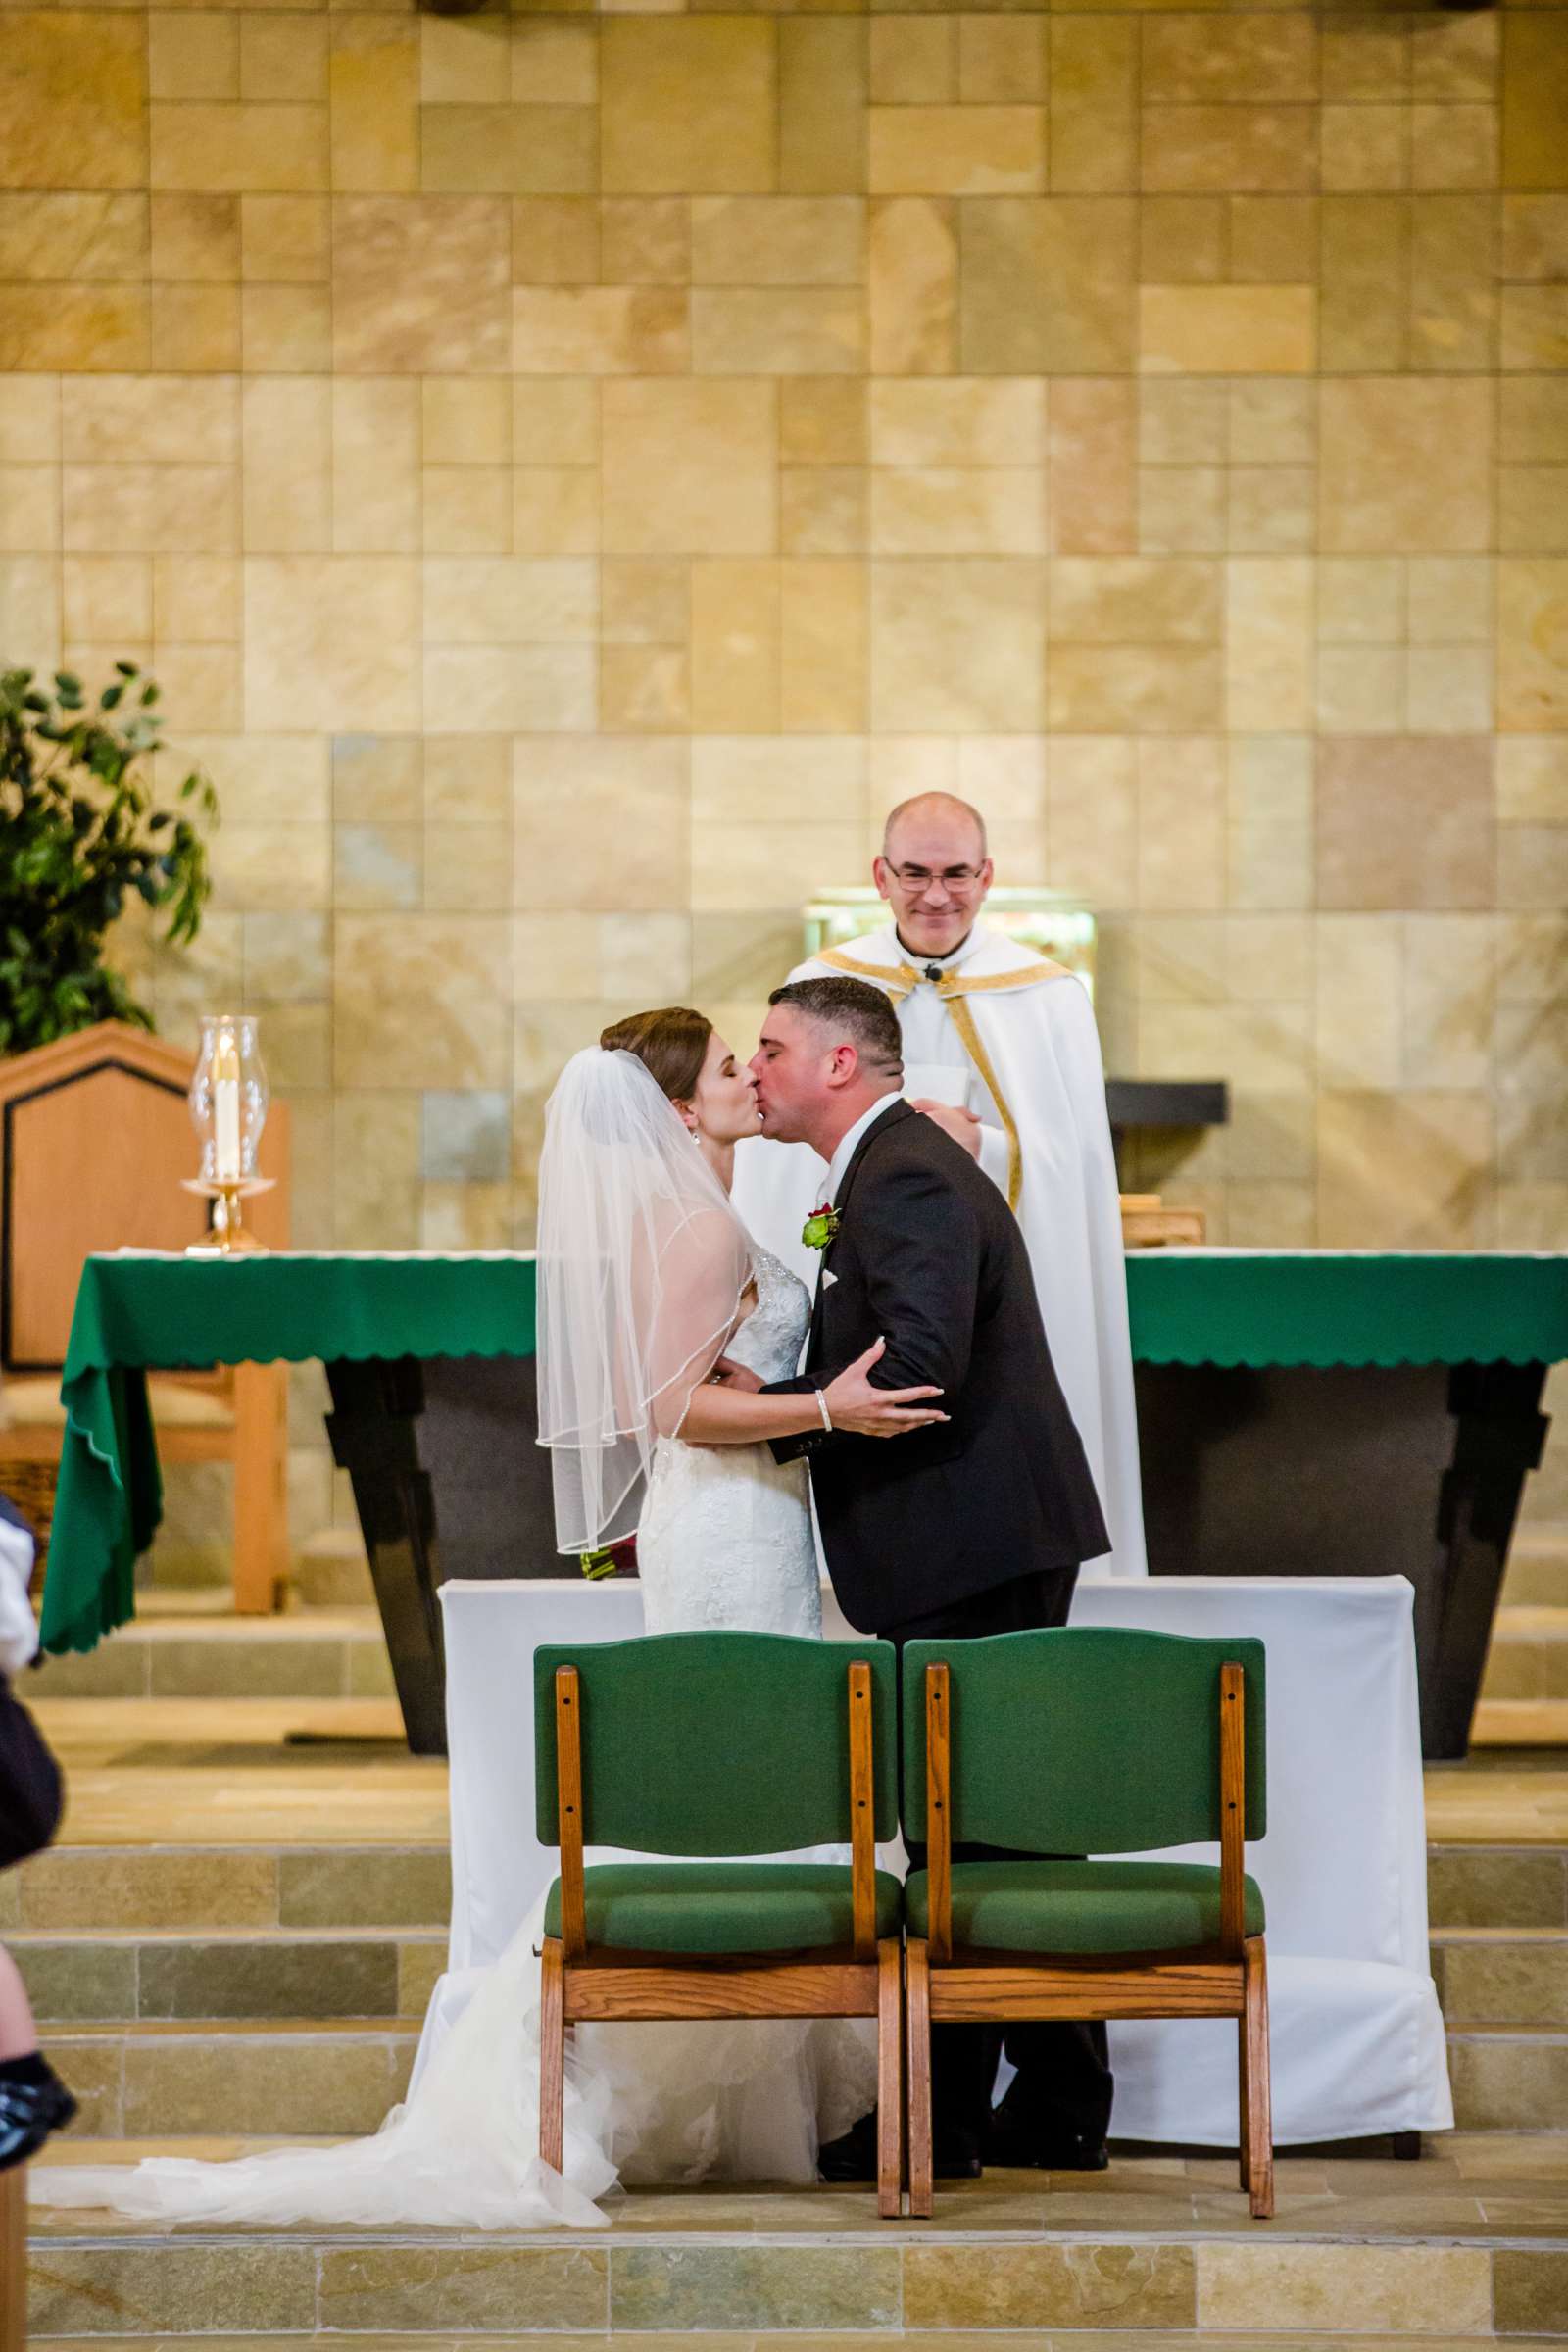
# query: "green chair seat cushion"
1081,1906
723,1906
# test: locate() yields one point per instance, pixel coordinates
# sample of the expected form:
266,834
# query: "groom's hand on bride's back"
872,1413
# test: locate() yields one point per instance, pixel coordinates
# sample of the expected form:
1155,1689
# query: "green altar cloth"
136,1312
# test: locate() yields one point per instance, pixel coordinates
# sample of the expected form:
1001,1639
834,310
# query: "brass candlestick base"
230,1237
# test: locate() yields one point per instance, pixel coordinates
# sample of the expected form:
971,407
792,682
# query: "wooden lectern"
95,1138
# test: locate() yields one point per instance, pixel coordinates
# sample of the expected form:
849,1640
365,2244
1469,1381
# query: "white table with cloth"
1357,2037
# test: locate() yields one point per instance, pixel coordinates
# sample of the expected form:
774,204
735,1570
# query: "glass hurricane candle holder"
228,1100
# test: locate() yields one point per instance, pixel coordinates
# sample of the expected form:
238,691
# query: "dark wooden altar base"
1356,1470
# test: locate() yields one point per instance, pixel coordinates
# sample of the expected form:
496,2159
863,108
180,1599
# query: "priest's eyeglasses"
957,878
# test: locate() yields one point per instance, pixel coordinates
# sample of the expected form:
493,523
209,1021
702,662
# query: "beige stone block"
1229,149
1237,330
645,602
601,825
465,421
202,682
1141,689
555,240
1181,822
1265,1047
513,690
555,421
1452,268
282,779
1534,327
1002,59
467,779
822,106
690,468
1449,689
148,419
750,779
1361,600
1182,423
29,609
274,867
1535,237
1046,284
1535,102
1454,147
419,994
1271,510
644,689
1268,644
734,647
45,327
1363,304
957,511
1094,104
478,601
465,510
1456,57
554,64
1404,822
823,646
1271,780
1181,510
1532,865
195,330
1376,494
1365,2288
1046,2286
913,61
73,100
105,597
30,509
466,1216
287,429
555,955
508,149
913,286
375,1165
823,510
1273,240
1269,960
282,59
788,241
375,466
956,646
238,2284
29,419
1092,482
555,510
1365,147
254,149
329,642
287,331
688,105
1449,1000
1533,644
150,509
1272,423
978,423
1181,240
956,150
1361,690
421,285
745,867
466,57
777,333
822,422
1134,602
193,53
1255,56
1093,817
1364,55
599,330
375,82
196,598
645,240
283,239
1531,779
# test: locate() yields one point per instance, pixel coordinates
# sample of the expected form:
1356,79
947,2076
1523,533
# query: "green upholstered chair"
708,1746
1086,1741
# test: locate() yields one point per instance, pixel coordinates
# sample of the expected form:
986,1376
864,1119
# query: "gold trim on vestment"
964,1023
899,979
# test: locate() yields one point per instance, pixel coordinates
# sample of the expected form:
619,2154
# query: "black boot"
31,2106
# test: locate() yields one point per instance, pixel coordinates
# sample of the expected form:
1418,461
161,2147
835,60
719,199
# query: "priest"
999,1048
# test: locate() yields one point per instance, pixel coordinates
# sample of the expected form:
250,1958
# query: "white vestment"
1010,1037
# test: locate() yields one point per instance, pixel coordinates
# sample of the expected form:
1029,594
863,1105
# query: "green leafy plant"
81,837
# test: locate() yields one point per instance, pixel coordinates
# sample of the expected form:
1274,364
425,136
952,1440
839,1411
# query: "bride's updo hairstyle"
671,1044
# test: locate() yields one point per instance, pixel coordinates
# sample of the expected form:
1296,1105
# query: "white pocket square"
829,1277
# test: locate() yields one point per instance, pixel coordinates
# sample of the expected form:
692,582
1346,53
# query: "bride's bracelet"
821,1406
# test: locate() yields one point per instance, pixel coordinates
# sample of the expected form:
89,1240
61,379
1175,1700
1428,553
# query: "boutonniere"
820,1226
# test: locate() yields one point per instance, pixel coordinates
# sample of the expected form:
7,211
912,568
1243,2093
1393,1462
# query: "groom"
972,1527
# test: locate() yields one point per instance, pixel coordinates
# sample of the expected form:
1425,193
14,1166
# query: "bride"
660,1321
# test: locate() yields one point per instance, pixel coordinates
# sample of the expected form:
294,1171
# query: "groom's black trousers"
1064,2086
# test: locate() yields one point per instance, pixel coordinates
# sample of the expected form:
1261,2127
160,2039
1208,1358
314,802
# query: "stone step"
191,1653
1498,1887
1537,1574
1509,2077
331,1571
1529,1654
286,2078
1520,1723
1502,1976
134,1889
87,1977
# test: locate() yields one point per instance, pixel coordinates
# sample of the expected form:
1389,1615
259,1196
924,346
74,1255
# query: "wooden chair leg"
1242,2099
917,2029
1258,2140
13,2259
552,2052
889,2078
261,1488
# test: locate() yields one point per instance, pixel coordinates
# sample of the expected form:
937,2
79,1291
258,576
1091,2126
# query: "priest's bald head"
934,871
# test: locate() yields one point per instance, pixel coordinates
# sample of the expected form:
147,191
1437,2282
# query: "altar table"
1357,2038
1301,1411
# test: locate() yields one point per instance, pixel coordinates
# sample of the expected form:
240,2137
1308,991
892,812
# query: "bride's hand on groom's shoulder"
870,1412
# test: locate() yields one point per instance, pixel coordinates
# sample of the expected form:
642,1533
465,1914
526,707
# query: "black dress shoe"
955,2156
852,2157
1029,2151
30,2112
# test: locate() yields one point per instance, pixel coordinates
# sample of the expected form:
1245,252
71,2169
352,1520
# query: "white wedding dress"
725,1541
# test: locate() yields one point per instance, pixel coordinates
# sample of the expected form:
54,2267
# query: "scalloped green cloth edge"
137,1313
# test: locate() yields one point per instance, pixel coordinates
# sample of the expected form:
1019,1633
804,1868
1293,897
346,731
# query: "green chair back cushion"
704,1907
1082,1907
715,1743
1084,1739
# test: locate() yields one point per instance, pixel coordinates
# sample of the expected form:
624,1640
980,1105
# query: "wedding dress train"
725,1541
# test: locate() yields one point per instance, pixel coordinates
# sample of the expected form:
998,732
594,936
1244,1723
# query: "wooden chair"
94,1139
1088,1741
13,2259
709,1744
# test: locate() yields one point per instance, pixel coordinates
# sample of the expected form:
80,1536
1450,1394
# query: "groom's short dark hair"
861,1014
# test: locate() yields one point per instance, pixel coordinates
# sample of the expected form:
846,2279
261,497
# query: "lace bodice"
769,1342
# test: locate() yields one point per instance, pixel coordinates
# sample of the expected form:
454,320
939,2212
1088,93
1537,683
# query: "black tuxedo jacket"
928,1257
